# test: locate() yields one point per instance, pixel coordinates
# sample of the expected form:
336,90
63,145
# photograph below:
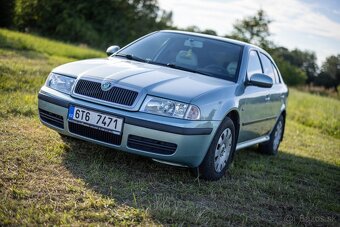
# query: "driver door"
255,108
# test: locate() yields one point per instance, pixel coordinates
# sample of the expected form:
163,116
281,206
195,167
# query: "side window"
254,64
267,66
277,77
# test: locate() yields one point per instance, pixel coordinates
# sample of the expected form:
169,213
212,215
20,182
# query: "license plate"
96,119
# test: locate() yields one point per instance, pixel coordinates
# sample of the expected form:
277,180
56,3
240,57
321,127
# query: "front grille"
51,118
115,94
95,134
151,145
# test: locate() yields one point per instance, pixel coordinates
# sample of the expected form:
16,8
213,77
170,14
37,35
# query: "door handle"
267,98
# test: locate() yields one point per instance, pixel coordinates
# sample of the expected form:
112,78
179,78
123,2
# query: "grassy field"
46,179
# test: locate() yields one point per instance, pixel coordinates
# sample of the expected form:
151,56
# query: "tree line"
100,23
97,23
298,67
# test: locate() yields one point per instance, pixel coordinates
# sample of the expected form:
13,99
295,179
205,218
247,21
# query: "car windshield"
191,53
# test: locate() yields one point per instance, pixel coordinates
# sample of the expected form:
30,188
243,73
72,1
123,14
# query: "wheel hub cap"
277,135
222,150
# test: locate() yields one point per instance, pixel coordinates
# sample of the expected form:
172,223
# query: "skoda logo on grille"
106,86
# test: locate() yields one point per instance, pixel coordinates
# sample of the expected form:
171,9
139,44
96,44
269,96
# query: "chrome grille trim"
116,95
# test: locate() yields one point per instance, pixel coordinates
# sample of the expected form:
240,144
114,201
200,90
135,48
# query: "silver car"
179,98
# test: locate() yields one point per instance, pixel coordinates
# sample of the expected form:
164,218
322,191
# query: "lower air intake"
151,145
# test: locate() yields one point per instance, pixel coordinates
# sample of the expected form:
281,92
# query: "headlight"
170,108
60,83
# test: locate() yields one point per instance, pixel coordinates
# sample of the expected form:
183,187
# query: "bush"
291,74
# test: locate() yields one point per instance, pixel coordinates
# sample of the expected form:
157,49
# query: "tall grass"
315,111
21,41
322,91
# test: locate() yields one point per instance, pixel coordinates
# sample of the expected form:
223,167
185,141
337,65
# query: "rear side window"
254,64
267,66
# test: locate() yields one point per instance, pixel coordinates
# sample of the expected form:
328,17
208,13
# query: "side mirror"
111,50
261,80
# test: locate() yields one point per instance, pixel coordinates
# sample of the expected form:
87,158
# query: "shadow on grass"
260,189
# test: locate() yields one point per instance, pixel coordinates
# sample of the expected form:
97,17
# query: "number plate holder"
94,119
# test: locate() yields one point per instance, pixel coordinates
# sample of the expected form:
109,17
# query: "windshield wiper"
131,57
171,65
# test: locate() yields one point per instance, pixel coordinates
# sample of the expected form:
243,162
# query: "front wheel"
220,153
271,147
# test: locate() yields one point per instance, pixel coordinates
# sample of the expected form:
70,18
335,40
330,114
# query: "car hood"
147,78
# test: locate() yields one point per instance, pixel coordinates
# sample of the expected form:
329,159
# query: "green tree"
194,28
291,74
304,60
253,29
330,73
6,12
209,32
99,23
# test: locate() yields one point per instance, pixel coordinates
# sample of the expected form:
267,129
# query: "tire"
220,153
62,135
65,137
271,147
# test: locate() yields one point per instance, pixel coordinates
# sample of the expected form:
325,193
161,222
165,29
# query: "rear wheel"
271,147
220,153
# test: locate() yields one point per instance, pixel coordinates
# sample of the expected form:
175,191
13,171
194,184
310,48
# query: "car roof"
241,43
209,36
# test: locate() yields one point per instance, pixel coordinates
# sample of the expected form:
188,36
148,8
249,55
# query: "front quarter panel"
216,104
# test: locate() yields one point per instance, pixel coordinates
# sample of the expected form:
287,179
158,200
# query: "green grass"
315,111
26,42
49,180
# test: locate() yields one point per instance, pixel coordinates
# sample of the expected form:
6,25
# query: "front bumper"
192,138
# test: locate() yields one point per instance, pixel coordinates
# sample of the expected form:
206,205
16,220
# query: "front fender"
214,105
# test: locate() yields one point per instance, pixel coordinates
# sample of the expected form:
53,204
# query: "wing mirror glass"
261,80
111,50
